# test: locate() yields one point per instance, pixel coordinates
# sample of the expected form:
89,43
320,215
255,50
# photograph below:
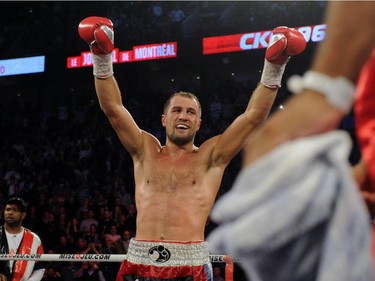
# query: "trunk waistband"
161,253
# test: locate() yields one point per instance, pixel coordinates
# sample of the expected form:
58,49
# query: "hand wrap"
339,91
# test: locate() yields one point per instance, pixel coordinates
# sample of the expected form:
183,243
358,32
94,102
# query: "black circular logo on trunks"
159,254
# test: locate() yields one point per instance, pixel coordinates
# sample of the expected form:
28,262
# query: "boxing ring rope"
105,258
86,257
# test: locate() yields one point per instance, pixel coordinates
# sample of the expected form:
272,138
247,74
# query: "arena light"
19,66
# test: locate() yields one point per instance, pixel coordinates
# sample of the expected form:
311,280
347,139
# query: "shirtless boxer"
177,183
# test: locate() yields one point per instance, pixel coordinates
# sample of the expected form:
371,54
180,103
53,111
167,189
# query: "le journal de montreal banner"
211,45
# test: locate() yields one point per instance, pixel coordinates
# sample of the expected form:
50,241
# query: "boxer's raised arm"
284,43
325,93
98,33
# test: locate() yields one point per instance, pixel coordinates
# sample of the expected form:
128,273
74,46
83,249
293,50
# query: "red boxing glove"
98,33
285,42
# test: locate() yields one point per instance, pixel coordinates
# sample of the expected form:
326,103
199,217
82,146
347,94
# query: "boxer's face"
181,120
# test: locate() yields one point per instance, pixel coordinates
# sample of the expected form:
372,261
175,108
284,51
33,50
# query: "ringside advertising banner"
138,53
255,40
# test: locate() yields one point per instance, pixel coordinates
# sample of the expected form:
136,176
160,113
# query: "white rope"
81,257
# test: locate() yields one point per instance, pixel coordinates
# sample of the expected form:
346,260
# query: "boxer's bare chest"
174,197
167,174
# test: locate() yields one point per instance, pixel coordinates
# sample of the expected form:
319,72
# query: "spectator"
62,247
69,271
17,239
90,271
106,222
52,274
113,235
122,245
82,247
217,274
96,247
88,220
118,211
92,235
72,228
62,223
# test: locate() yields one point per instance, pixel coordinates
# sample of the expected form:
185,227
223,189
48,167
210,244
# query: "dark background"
48,119
50,28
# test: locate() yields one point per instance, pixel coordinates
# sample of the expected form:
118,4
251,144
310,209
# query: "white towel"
296,214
